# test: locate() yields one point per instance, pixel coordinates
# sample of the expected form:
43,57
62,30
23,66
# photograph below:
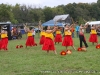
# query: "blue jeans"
77,33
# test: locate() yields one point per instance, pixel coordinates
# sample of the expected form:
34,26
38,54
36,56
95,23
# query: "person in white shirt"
33,32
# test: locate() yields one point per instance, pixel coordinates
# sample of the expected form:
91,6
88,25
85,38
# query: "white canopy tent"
93,23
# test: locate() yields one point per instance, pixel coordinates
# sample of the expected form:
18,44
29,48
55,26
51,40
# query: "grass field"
34,61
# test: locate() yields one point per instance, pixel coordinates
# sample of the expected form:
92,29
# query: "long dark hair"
30,28
45,28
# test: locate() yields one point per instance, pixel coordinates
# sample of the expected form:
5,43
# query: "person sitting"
14,33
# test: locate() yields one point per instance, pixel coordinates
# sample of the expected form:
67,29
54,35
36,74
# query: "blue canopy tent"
52,23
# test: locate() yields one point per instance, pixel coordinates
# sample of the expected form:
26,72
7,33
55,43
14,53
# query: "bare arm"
51,31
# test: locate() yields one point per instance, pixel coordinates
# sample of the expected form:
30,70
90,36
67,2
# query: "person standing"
33,32
58,37
77,30
72,31
30,39
82,37
4,38
48,44
68,41
42,35
93,35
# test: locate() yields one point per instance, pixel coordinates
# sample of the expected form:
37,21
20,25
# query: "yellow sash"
49,35
5,35
42,33
68,33
93,31
29,34
58,32
2,35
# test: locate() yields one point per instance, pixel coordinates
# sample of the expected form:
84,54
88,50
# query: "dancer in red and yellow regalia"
42,37
58,37
4,39
68,41
30,39
93,36
0,42
49,43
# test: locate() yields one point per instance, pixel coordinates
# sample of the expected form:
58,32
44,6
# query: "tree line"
30,14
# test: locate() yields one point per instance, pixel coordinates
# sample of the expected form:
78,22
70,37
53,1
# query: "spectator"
72,30
98,30
77,30
33,33
19,33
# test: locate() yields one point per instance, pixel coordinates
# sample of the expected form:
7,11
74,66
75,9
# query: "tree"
6,13
48,13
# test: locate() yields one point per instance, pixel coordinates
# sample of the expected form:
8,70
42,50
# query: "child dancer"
81,36
30,39
93,35
49,43
68,41
58,37
42,36
4,38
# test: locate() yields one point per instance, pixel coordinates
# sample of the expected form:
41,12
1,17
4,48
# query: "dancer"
42,36
68,41
93,35
4,38
30,39
81,36
49,43
58,37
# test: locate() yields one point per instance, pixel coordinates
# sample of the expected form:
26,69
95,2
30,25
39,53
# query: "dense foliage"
30,14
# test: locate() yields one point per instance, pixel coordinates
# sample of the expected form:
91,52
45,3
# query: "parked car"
37,30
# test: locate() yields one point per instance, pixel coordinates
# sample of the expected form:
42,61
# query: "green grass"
34,61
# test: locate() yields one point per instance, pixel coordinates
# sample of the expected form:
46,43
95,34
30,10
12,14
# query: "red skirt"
58,38
4,43
48,44
0,44
67,41
30,41
93,38
42,39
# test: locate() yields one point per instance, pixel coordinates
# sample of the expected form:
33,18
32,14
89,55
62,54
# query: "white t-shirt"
83,30
33,33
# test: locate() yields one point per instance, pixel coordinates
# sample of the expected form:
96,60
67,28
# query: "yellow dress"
42,33
93,31
2,35
58,32
5,35
68,33
49,35
29,34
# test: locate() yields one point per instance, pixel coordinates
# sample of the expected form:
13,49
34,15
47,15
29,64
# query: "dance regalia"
48,43
67,41
93,36
4,41
0,44
58,37
42,39
30,40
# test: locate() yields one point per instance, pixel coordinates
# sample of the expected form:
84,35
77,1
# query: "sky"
42,3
